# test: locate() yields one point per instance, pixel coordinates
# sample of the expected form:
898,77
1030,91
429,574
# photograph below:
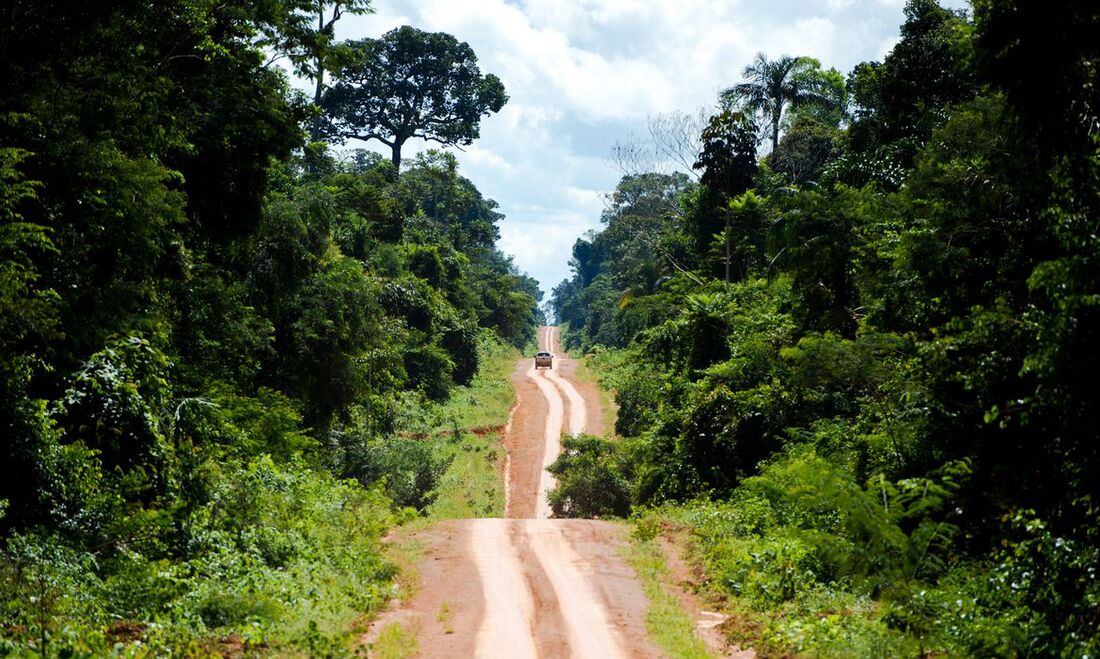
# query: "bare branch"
673,144
676,137
633,156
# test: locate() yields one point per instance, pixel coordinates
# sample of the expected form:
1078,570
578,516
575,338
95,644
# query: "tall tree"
906,95
772,86
728,161
327,15
411,83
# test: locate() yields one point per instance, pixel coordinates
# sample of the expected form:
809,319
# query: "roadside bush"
593,479
408,469
114,406
768,571
283,556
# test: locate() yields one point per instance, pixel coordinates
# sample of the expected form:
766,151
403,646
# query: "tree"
907,95
771,86
728,158
672,145
835,112
411,83
806,148
728,161
311,50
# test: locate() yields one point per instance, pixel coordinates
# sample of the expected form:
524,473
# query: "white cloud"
583,74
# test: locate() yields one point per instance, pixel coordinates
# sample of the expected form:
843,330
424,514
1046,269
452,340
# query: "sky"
583,75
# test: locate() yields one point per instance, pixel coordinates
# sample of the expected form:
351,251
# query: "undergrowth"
284,558
808,563
274,555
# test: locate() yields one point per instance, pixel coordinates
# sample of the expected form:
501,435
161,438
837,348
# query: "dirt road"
546,400
530,586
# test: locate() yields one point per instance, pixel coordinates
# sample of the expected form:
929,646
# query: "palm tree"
773,85
647,280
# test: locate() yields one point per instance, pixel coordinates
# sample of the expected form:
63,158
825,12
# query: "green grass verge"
587,373
473,484
394,642
669,626
608,406
486,401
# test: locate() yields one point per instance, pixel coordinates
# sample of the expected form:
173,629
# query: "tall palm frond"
771,86
647,280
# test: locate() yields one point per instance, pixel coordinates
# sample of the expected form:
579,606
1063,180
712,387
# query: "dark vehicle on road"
544,359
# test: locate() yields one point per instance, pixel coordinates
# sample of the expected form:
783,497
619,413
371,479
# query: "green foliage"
25,311
728,158
266,423
639,398
907,95
411,83
622,271
283,545
894,425
807,147
407,468
773,86
113,406
592,479
740,248
193,304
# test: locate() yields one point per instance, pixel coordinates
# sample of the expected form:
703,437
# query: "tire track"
551,439
559,394
533,587
578,412
590,632
507,628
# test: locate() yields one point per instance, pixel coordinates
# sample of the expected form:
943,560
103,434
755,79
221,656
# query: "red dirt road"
530,586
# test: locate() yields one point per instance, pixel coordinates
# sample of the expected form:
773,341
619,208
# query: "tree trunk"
315,124
396,157
776,114
728,259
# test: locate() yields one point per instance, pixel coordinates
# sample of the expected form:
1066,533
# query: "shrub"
591,480
283,555
408,469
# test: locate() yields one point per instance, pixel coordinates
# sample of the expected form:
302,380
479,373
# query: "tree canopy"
411,83
215,339
772,86
876,381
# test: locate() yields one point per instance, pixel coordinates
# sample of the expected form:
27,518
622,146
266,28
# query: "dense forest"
851,343
216,330
859,370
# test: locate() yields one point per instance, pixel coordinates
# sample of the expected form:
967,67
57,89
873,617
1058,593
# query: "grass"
444,618
669,626
473,485
486,401
607,396
818,619
394,642
586,373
